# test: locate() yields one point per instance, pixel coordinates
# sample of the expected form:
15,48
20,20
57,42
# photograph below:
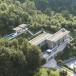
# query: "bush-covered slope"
37,13
57,5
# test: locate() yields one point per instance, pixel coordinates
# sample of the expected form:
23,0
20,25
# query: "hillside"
37,13
57,5
20,58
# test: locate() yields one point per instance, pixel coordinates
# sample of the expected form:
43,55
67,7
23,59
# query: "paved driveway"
50,64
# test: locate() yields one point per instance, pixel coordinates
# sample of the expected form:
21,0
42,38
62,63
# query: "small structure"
53,43
18,31
21,28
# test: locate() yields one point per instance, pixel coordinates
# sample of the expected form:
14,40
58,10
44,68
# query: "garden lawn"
48,72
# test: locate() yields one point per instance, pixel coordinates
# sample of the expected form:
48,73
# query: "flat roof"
58,35
47,36
22,25
17,28
40,38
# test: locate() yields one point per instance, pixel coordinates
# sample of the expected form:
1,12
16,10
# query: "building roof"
58,35
22,25
17,28
40,38
47,36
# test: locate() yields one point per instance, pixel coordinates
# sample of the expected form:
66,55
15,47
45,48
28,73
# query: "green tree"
18,59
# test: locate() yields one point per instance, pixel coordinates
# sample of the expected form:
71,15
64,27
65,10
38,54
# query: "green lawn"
47,72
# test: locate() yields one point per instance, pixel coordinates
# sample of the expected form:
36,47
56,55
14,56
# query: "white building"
21,28
53,43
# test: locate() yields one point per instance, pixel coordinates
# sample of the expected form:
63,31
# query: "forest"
38,13
18,57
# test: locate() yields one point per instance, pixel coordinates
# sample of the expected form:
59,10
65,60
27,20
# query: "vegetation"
57,5
18,58
47,72
15,12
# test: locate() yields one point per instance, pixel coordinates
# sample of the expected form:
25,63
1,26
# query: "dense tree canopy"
57,5
15,12
18,58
